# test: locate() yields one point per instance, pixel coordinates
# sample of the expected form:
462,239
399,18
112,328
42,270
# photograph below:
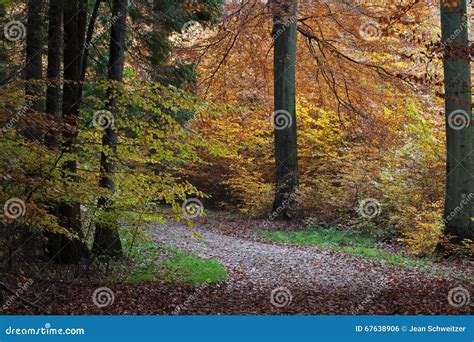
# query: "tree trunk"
4,55
107,239
285,205
33,67
53,101
71,251
32,73
89,37
459,131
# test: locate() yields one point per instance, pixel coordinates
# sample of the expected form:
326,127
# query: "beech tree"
33,66
75,17
53,103
459,132
284,117
107,239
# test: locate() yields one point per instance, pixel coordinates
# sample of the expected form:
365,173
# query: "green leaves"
153,146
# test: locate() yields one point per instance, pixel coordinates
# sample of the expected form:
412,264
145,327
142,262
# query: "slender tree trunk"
34,67
53,100
107,239
89,36
285,205
33,72
71,251
459,131
4,55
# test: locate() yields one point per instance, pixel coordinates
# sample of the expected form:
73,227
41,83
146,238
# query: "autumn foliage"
369,119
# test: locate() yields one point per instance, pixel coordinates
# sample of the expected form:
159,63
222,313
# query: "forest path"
306,279
303,280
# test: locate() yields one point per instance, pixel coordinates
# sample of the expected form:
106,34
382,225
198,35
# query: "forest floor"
264,278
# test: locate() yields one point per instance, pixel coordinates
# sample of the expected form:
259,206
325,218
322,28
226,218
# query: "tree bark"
4,56
89,36
33,66
32,74
53,100
459,131
71,251
107,239
285,205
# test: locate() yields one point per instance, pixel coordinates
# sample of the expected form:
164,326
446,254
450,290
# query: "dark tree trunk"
32,73
89,36
34,66
71,251
107,239
459,131
285,205
4,55
53,100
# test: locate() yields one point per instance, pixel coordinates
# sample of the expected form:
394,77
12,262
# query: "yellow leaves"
422,229
152,144
451,3
196,235
412,182
7,3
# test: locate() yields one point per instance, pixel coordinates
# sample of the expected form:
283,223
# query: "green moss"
146,261
189,268
339,240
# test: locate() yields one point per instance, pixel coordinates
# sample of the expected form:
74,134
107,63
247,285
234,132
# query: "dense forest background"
117,114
